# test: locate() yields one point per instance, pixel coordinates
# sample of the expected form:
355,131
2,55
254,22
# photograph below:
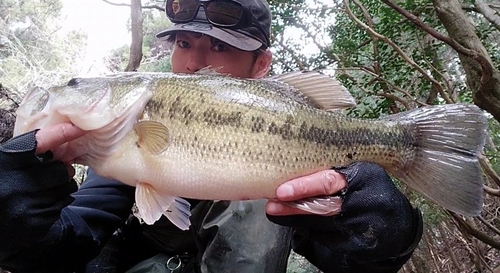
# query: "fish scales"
220,138
301,141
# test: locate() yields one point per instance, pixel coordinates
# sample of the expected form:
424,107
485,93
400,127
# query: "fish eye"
74,81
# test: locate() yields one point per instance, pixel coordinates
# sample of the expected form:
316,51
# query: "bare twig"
128,5
490,226
399,51
394,87
116,4
482,60
488,13
433,94
472,230
429,243
446,240
488,169
394,98
380,78
299,63
376,55
492,191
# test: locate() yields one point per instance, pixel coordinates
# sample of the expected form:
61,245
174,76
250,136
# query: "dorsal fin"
322,90
209,70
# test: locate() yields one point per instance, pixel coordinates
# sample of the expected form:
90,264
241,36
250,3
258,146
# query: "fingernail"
284,191
273,208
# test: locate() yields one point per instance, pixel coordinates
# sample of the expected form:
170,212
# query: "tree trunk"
136,21
485,85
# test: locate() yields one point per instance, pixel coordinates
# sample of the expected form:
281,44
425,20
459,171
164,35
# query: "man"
44,229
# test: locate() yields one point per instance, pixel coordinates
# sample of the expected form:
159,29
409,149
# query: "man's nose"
197,61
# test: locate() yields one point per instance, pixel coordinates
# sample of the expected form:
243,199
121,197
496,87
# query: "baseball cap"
247,36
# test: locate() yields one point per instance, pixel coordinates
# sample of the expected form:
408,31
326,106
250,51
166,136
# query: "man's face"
193,51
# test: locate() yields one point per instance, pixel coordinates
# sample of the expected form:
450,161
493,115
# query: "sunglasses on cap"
221,13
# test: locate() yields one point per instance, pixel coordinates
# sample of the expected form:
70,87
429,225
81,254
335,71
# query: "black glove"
376,231
32,193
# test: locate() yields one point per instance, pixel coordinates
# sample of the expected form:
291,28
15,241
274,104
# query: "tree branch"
374,40
116,4
394,98
299,63
128,5
444,236
399,51
424,45
488,13
381,79
491,191
470,229
482,60
485,94
392,86
488,169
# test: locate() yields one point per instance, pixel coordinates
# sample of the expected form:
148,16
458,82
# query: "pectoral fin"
152,205
153,136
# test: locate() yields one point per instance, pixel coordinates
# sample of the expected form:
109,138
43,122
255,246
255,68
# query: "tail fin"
446,168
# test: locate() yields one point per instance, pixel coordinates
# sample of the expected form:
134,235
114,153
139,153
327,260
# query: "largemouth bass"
220,138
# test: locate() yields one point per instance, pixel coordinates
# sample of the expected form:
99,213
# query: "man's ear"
262,64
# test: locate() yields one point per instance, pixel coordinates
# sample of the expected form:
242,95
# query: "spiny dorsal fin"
322,90
209,70
153,136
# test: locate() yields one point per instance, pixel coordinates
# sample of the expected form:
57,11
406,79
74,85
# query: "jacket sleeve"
52,235
376,231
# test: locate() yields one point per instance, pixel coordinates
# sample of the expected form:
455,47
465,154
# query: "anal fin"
179,213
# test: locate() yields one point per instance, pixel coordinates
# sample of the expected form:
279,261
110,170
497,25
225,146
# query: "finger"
326,182
52,137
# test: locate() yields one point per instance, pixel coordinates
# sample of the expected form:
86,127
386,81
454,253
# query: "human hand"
323,183
376,223
33,188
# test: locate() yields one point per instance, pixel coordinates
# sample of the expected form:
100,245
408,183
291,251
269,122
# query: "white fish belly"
177,173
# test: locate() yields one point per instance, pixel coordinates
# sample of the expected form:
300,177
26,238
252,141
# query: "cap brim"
229,36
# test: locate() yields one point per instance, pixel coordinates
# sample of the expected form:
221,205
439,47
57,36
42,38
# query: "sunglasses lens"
224,13
181,10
